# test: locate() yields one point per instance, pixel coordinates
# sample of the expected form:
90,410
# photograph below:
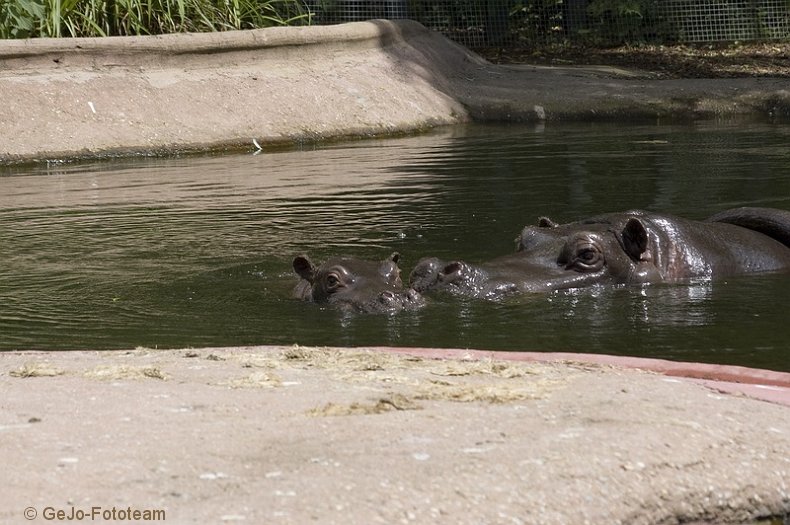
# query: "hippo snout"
409,299
414,296
389,300
426,274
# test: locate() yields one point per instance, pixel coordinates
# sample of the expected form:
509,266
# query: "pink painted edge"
766,385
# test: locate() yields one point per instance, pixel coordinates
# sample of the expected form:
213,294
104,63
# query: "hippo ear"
304,268
390,270
451,272
634,238
545,222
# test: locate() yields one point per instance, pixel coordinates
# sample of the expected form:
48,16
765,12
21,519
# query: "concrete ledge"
151,51
90,97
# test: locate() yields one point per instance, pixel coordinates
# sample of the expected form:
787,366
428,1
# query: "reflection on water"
686,305
197,250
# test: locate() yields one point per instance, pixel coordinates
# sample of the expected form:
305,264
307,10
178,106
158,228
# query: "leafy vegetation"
628,21
56,18
588,22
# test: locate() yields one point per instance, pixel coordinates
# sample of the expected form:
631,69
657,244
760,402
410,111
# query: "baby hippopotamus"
356,284
633,247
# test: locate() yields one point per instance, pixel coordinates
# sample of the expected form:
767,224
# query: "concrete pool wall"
88,97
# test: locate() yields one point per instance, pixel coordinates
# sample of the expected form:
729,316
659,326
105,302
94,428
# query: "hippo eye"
332,281
588,258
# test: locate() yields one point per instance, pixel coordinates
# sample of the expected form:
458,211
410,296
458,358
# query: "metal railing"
485,23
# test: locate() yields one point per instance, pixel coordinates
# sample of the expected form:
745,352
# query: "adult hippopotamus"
355,284
634,247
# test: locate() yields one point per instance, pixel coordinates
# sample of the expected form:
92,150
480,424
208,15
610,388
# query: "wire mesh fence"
486,23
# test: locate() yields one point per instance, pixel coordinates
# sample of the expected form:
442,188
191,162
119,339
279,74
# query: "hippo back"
772,222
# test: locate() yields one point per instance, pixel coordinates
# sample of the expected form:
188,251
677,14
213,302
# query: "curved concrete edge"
729,373
181,49
138,49
766,385
88,97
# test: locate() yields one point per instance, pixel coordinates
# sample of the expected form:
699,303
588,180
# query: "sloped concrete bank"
299,435
87,97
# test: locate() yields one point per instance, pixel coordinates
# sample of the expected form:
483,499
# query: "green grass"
72,18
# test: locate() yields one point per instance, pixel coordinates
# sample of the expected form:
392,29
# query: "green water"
197,251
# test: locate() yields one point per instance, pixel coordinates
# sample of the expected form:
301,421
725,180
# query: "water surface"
194,251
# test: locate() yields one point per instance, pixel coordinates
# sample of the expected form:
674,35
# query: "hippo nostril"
388,296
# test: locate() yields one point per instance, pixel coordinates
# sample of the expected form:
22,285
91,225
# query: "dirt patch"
681,61
385,404
115,372
42,369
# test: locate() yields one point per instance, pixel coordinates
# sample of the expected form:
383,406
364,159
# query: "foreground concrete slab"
65,98
297,435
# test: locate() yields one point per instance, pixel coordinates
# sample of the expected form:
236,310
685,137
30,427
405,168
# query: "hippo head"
427,274
549,257
356,284
612,249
